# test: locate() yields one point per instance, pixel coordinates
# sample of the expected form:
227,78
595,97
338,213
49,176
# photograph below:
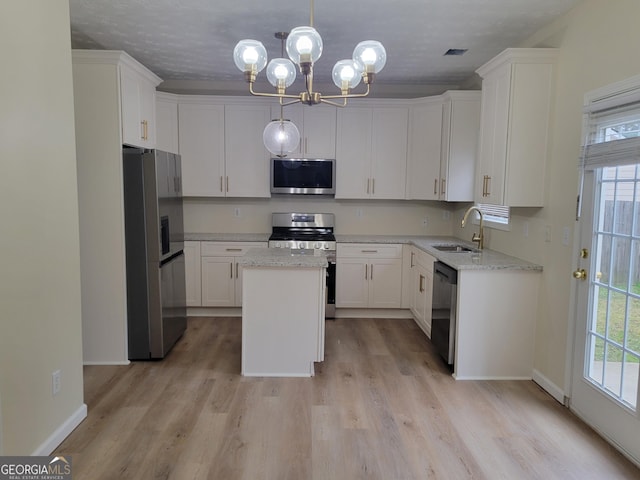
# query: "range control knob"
317,245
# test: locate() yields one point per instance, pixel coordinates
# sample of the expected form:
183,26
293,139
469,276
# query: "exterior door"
604,388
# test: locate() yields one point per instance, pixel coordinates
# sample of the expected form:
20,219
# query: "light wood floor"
381,406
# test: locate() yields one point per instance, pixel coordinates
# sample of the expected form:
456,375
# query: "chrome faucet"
476,237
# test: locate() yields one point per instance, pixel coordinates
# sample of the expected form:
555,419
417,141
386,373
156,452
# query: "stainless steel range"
309,231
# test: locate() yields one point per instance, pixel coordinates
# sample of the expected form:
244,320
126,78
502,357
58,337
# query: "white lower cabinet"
368,276
421,288
221,276
192,273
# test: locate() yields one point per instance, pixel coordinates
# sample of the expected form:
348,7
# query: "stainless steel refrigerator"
154,240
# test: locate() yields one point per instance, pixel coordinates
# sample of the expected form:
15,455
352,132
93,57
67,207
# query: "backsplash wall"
353,217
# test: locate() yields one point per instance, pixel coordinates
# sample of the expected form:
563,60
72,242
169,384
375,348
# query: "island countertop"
283,257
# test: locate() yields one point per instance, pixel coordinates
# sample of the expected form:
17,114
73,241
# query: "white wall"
352,216
598,44
40,282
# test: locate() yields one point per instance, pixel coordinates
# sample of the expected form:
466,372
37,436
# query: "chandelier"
304,47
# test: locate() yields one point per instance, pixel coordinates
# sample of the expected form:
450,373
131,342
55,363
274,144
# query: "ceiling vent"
455,51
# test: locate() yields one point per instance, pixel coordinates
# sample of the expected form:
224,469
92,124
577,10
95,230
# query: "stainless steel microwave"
303,176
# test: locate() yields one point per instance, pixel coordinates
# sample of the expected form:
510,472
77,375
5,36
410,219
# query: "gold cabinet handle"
412,254
145,130
421,283
580,274
488,185
435,186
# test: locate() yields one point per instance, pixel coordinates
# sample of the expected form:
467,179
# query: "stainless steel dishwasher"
443,312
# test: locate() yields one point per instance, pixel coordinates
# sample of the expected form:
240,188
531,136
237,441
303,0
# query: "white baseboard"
62,432
127,362
548,386
489,377
393,313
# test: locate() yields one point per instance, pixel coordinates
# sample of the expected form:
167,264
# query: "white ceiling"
189,43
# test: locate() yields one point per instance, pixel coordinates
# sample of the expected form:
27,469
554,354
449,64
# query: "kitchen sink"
454,248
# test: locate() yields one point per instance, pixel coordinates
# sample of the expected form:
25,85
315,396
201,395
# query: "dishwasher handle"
447,273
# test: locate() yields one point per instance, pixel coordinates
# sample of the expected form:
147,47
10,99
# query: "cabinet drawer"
379,250
228,249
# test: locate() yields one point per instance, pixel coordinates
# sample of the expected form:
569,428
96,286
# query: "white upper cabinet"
221,145
425,139
371,152
167,122
201,134
317,126
517,96
138,90
443,141
460,130
246,158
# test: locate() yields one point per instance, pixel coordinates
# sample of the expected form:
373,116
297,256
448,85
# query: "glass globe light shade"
250,55
281,137
281,72
304,44
371,54
347,73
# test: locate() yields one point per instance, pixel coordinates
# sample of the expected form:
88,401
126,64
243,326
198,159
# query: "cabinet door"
201,133
218,283
132,128
493,136
148,113
425,136
192,272
389,152
246,158
319,140
460,129
137,97
353,153
167,125
352,282
385,280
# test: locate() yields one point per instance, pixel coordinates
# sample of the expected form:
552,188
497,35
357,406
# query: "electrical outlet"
446,214
56,382
547,233
358,212
425,221
236,212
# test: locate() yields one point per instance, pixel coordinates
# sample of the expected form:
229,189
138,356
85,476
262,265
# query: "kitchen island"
283,302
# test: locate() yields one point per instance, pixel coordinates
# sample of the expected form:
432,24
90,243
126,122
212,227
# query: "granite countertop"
227,237
282,257
485,259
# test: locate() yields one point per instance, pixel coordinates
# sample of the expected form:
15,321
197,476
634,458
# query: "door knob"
580,274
